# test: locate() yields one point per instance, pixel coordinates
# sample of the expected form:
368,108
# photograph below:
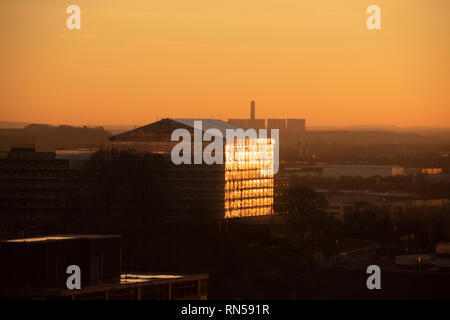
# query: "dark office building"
34,187
233,189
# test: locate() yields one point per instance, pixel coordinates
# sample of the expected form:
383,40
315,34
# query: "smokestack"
252,109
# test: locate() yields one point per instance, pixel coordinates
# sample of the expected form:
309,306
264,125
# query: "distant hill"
372,137
49,138
113,130
434,131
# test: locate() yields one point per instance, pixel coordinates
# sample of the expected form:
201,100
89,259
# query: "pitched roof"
207,124
161,128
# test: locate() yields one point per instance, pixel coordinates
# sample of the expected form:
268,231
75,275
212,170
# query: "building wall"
160,287
235,189
35,190
248,179
296,124
290,125
43,262
241,123
276,124
256,124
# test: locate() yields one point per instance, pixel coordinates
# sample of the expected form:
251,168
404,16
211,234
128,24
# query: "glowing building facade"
249,178
242,186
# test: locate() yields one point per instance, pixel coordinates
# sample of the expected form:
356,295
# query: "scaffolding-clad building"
240,186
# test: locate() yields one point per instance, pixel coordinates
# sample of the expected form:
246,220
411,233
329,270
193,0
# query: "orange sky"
134,61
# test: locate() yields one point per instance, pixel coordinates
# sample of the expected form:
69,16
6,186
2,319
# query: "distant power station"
291,125
293,144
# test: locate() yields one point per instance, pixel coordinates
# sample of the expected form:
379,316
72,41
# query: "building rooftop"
207,124
167,125
144,277
61,238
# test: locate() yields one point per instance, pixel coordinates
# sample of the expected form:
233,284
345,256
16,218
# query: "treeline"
411,232
314,230
376,138
368,147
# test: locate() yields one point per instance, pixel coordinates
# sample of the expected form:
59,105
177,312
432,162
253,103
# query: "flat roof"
61,238
206,123
127,280
143,277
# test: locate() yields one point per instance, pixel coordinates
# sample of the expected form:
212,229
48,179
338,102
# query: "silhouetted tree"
307,216
100,178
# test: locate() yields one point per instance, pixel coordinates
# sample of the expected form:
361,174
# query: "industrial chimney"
252,109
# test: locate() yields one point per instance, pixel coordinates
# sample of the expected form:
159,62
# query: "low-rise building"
344,202
36,268
364,171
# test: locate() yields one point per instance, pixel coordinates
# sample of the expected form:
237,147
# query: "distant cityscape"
79,193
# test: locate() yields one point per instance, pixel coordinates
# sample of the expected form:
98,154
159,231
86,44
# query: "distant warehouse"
364,171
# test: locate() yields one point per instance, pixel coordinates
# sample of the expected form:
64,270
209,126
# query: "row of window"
248,212
231,185
248,203
249,193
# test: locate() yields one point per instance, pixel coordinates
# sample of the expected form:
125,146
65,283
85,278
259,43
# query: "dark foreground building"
35,188
37,269
237,188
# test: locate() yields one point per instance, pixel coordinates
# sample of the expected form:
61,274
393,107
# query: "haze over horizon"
135,62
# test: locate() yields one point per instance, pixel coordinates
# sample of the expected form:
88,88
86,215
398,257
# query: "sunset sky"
135,61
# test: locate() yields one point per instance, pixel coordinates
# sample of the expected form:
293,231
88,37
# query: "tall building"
241,186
